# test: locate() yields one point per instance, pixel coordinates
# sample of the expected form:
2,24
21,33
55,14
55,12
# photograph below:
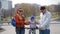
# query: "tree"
28,8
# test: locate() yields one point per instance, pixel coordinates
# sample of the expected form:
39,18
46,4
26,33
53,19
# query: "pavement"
54,28
11,30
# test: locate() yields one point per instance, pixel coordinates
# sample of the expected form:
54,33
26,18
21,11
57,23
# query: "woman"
20,21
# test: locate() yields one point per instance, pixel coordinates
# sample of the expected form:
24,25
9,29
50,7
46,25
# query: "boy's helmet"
32,17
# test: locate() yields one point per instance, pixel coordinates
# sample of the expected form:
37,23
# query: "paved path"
11,30
55,29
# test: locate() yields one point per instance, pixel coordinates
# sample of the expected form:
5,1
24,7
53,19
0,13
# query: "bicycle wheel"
32,31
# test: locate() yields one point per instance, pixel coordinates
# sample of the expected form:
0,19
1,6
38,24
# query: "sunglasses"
20,11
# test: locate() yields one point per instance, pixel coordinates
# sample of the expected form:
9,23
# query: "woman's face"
20,12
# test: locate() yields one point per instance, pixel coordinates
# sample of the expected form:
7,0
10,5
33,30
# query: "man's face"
43,11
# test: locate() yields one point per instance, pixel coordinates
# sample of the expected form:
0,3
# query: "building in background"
16,5
6,4
0,4
5,7
0,13
0,10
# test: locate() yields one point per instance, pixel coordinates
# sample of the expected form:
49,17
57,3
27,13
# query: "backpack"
13,22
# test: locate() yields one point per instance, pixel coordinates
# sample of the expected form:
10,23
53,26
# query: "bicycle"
32,29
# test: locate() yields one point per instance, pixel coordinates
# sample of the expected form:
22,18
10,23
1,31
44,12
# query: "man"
45,17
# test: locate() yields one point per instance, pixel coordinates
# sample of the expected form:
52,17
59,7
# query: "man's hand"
40,27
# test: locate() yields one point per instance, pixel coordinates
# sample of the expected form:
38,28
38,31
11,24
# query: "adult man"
45,17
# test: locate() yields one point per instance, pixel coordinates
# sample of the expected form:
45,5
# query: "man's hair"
42,8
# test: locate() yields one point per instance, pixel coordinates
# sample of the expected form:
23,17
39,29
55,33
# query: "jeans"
44,31
33,31
20,31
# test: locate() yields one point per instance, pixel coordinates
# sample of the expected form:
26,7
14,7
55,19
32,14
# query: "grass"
6,19
54,15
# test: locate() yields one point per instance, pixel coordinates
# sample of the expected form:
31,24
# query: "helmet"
32,17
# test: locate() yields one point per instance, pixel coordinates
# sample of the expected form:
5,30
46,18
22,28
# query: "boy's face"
32,19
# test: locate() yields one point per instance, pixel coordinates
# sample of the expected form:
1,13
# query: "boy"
32,25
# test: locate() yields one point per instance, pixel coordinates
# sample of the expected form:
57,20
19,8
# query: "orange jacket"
19,22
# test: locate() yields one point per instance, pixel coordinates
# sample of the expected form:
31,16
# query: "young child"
32,25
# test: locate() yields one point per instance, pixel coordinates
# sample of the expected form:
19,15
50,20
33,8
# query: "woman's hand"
27,22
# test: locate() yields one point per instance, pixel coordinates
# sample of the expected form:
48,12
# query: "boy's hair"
42,8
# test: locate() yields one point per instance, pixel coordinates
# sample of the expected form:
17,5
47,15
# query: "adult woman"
20,21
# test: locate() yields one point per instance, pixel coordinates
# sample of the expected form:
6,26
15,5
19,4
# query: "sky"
40,2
